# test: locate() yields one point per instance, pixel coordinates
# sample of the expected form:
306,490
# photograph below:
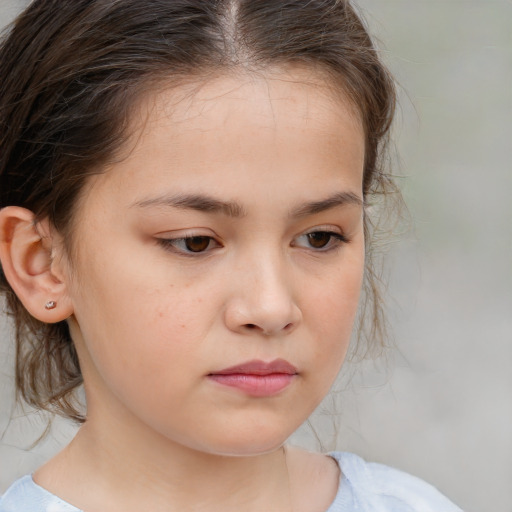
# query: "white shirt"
364,487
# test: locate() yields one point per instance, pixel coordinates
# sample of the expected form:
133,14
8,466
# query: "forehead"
297,98
220,131
307,91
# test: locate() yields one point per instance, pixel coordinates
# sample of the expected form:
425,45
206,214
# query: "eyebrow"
204,203
334,201
198,202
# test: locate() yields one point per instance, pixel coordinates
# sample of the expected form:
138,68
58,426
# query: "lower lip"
255,385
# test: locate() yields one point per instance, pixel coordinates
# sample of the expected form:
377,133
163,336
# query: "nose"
262,300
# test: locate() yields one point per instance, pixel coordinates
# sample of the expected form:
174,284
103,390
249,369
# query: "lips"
257,378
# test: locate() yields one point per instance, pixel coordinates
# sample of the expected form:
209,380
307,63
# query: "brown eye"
197,243
319,239
189,245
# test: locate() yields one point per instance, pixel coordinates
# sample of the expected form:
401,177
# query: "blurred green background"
440,405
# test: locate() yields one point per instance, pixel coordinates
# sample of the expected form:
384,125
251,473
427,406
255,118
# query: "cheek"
337,296
145,329
331,313
134,327
333,322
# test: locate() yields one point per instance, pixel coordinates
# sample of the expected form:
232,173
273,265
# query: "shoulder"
25,495
380,488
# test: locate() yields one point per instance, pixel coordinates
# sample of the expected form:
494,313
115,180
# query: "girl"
183,230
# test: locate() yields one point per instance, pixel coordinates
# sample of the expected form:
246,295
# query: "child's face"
194,257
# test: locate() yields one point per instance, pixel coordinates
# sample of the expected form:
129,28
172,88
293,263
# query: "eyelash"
336,240
171,244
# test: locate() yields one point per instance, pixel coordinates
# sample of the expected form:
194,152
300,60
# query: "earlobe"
26,256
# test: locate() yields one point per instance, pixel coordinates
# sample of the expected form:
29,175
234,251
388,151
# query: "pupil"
319,240
197,243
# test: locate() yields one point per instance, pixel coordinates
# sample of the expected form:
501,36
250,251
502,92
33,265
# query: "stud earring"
51,304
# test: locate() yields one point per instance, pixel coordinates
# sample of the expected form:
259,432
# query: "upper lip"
257,367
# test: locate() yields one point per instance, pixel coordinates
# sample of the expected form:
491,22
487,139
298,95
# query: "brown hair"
71,72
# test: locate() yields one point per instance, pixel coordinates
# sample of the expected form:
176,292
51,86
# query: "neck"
130,469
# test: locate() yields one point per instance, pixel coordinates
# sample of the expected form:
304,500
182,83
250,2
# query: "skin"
151,320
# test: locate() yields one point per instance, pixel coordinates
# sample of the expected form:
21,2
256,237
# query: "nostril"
255,327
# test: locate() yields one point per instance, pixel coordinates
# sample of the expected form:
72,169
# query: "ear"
26,253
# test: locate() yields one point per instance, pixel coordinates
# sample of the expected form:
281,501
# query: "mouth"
257,378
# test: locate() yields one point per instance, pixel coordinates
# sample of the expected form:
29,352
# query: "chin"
250,449
248,445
